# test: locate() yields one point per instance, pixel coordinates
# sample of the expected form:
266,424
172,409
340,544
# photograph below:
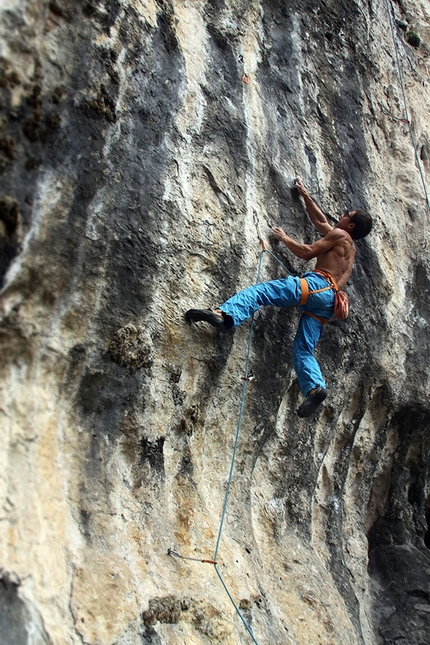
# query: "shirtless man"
335,253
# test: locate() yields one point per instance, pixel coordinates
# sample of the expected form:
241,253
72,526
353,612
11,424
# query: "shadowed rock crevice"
10,233
398,557
402,593
16,621
404,508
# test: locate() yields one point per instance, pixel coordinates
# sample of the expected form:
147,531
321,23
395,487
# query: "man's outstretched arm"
316,215
309,251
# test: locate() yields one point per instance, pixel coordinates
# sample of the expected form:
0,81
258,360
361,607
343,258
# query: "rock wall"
137,139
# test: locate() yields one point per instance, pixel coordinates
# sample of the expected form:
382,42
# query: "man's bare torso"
339,260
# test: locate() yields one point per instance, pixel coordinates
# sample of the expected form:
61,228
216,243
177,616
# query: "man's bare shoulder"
338,234
339,237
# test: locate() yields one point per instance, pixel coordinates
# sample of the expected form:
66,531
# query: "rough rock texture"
137,138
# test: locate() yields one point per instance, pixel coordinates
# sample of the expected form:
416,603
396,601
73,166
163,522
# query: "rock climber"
334,253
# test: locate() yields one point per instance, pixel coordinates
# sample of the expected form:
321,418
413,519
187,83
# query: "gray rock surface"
137,139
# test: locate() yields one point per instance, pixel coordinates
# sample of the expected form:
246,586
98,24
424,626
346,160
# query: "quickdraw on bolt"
186,557
250,377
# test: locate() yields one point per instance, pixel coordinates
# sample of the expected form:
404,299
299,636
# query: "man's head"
362,224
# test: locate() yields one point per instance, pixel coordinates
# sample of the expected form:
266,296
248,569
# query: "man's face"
345,221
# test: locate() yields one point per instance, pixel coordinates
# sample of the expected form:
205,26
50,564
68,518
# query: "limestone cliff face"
137,139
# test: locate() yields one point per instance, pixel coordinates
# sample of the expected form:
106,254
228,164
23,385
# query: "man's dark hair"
363,224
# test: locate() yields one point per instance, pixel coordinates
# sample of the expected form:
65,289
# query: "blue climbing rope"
277,260
236,442
247,627
245,379
233,459
239,423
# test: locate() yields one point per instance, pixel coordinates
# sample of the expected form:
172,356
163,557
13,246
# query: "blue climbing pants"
286,293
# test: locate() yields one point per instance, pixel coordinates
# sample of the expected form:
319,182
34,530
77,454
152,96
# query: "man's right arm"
309,251
316,215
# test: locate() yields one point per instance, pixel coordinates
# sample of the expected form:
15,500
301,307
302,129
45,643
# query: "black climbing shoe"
312,402
207,315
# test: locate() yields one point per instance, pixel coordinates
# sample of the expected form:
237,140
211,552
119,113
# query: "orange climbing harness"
341,306
306,293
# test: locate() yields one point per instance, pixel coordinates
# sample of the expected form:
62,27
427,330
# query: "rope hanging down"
248,377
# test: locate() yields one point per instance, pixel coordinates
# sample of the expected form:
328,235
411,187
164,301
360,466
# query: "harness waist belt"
328,276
